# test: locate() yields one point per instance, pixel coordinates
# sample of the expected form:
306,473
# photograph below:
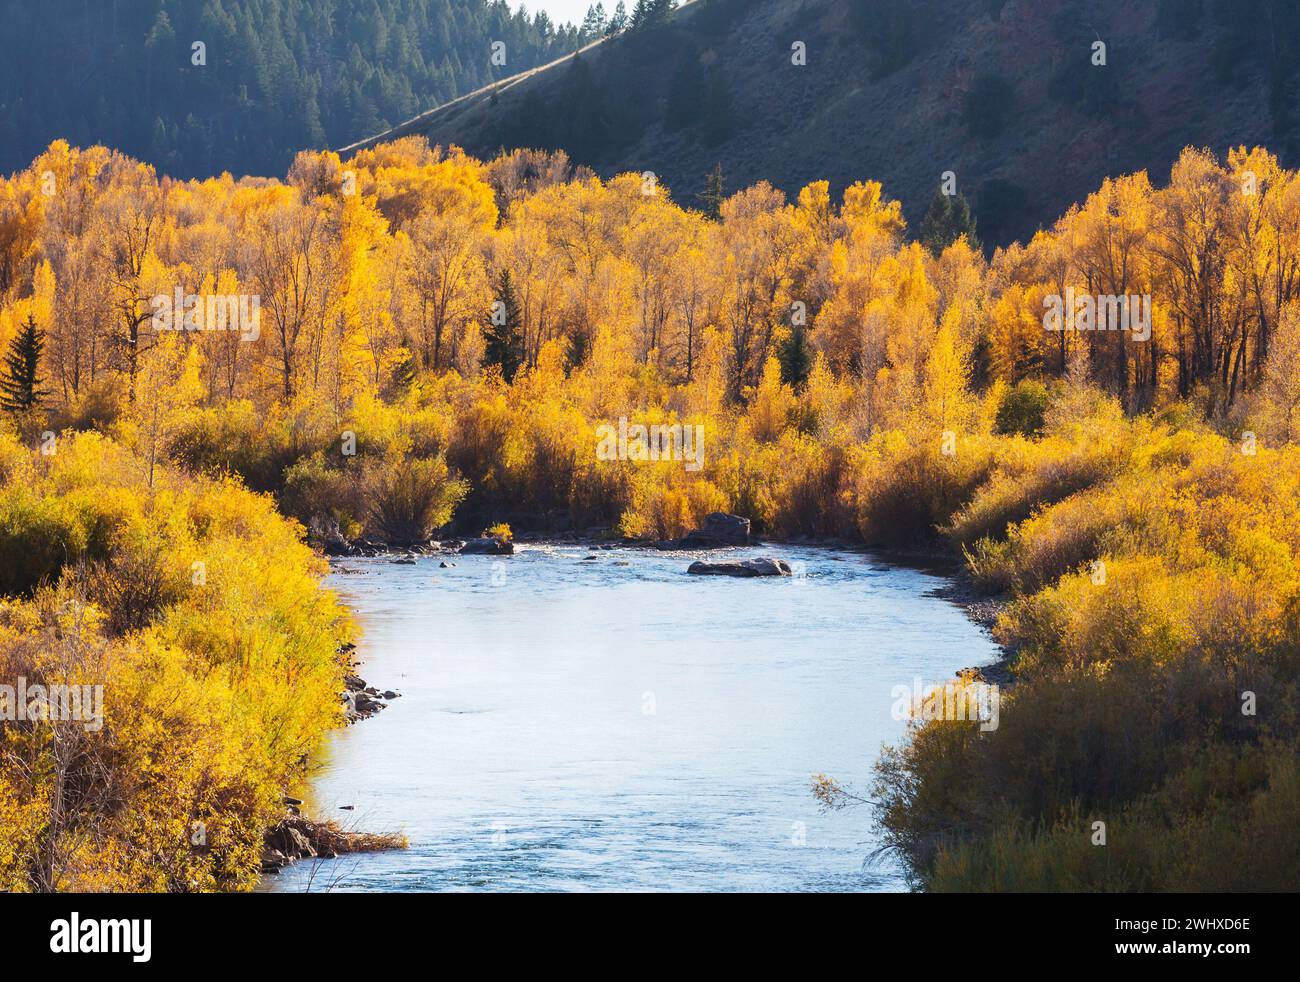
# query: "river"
615,724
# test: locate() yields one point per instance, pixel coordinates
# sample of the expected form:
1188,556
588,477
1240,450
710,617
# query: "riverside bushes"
1157,675
407,499
198,610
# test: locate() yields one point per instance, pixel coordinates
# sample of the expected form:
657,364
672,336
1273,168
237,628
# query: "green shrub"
1023,408
408,499
39,536
313,489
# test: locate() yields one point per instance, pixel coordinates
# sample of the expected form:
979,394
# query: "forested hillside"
1012,96
273,76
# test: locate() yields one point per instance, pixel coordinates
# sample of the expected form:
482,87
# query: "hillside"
1004,94
272,76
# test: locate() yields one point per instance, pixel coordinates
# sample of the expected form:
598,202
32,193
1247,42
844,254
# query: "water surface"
615,724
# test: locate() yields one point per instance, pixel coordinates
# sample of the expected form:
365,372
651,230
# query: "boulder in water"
763,566
324,533
492,545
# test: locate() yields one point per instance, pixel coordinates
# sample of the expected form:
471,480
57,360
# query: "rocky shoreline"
296,837
326,537
361,700
983,611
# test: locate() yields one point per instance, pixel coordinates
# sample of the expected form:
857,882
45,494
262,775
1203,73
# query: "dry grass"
329,837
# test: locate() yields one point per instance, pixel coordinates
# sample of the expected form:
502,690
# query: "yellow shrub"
199,611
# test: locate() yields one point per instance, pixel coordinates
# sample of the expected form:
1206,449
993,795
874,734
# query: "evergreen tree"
585,130
503,336
659,11
618,22
947,219
989,103
594,24
279,75
795,356
895,31
20,378
651,13
404,373
714,193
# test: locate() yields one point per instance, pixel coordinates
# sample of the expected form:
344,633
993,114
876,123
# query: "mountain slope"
1007,95
272,76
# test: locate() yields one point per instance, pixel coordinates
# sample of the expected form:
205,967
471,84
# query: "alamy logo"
181,311
1098,312
102,935
962,701
659,441
53,704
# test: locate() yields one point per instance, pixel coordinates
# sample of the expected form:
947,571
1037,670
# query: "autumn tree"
443,264
131,216
946,379
1280,391
288,252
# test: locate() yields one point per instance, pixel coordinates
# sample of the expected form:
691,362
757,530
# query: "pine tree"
587,121
618,22
795,356
714,193
594,24
20,378
947,219
404,373
503,338
280,74
651,13
658,11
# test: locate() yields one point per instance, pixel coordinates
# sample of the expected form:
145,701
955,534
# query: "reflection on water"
615,724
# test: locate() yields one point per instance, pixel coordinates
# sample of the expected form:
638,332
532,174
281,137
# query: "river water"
615,724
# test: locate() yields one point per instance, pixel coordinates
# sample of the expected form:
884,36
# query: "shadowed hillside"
1004,94
243,85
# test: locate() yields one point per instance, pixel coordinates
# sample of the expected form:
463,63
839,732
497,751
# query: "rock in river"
763,566
490,546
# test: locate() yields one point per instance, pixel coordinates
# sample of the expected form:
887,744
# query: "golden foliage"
198,610
936,409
